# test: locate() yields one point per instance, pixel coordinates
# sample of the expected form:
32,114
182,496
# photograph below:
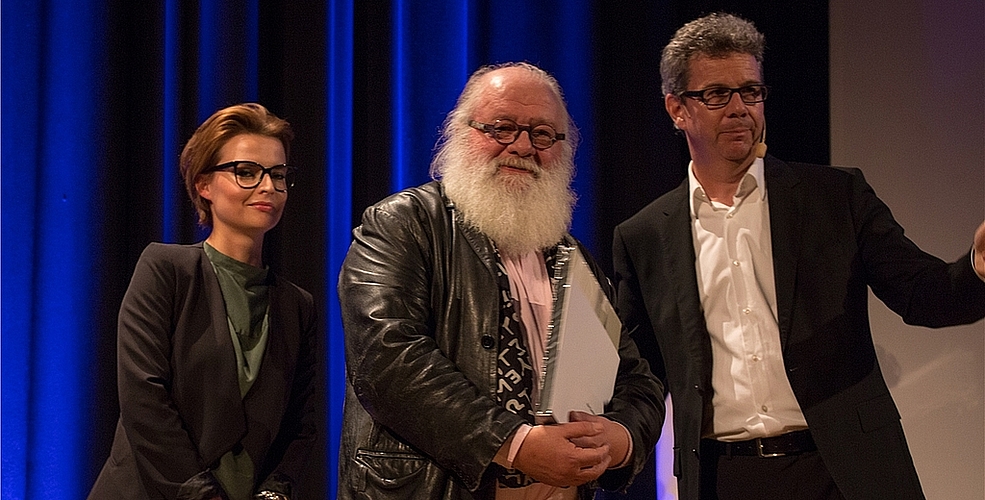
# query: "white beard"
519,213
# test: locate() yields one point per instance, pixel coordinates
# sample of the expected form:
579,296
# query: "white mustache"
521,163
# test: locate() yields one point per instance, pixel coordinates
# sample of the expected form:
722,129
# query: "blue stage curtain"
99,96
339,217
98,99
437,45
51,177
77,76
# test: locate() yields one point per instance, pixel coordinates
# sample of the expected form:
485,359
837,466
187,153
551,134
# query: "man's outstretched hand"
980,250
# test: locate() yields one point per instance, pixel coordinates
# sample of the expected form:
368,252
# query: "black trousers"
794,477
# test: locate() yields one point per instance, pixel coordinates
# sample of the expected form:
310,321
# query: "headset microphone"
761,145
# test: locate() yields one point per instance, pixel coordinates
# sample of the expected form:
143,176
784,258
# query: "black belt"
791,443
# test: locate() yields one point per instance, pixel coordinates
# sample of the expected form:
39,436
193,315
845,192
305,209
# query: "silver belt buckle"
759,451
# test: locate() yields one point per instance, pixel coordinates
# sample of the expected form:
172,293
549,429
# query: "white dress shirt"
734,266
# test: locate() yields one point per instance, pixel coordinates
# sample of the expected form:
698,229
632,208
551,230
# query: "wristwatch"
270,495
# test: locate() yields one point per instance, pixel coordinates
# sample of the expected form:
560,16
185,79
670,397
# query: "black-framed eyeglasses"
249,174
507,131
719,97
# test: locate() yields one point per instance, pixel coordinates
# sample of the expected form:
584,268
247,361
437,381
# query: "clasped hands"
572,453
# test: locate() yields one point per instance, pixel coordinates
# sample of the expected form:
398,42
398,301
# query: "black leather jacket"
420,309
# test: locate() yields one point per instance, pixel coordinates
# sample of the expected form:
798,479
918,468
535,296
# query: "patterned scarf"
513,369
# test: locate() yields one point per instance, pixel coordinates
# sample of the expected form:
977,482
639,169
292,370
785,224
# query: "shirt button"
735,263
487,341
765,409
747,310
755,357
729,216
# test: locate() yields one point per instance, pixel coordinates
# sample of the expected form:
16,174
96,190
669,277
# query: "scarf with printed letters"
513,368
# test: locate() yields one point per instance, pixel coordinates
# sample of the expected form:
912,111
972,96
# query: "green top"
245,293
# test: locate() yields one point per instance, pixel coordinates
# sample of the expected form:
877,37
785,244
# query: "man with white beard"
446,295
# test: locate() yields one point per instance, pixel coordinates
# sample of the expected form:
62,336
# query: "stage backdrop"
908,107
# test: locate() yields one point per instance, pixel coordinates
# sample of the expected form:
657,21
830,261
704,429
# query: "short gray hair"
715,35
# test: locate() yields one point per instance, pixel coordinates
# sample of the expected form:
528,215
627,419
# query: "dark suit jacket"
832,238
180,404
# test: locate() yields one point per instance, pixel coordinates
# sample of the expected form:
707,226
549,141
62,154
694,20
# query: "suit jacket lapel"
224,373
282,341
678,244
785,231
218,377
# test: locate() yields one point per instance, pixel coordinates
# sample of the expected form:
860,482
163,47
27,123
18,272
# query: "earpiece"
761,145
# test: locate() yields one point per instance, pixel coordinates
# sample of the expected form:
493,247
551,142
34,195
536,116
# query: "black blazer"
832,238
180,404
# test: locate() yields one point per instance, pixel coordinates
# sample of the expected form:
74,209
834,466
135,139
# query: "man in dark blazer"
747,290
